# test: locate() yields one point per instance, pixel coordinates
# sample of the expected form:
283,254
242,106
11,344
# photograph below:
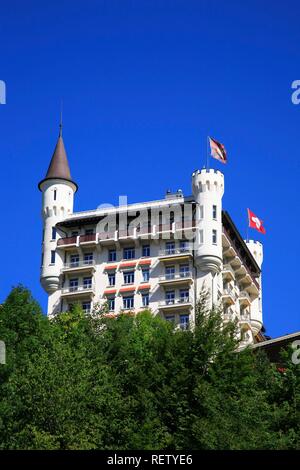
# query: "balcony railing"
175,302
228,269
243,295
245,317
106,235
237,248
228,295
175,251
87,238
81,288
129,232
67,241
174,277
79,264
186,224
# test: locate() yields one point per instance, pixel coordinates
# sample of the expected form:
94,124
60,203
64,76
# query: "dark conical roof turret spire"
59,166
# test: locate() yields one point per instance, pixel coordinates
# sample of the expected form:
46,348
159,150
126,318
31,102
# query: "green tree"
137,382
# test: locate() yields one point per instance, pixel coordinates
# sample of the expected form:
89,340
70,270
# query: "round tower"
256,249
208,190
58,191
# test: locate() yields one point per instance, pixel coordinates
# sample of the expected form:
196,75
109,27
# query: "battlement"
208,180
207,170
256,249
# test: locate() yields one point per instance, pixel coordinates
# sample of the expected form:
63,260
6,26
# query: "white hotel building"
157,254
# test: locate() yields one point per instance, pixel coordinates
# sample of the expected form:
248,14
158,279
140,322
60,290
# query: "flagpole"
247,231
207,153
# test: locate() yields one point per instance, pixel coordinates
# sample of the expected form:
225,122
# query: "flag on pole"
217,150
255,222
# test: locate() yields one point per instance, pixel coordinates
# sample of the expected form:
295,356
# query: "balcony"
244,298
229,315
71,242
233,250
245,319
252,288
79,266
187,224
176,304
228,297
228,272
180,278
67,242
170,254
88,240
80,291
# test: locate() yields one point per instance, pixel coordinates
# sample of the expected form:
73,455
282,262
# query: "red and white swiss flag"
255,222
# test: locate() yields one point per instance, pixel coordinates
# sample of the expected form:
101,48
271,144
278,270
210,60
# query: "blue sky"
143,83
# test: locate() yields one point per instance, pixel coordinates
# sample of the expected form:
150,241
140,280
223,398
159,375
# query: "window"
214,212
170,297
52,257
183,246
146,250
73,285
111,304
42,260
170,248
112,255
184,270
170,318
201,239
214,237
201,212
86,307
128,302
88,258
184,295
53,233
128,277
74,234
111,279
129,253
145,299
54,194
184,321
74,261
87,282
89,231
170,272
146,274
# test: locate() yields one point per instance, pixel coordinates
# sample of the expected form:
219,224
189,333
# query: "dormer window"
54,194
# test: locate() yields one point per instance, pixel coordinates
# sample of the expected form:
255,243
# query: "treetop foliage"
136,382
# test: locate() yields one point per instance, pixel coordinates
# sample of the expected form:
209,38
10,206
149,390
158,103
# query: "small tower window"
214,212
52,256
54,194
201,212
53,233
201,237
214,237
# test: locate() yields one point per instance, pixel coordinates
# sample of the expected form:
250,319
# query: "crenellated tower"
256,249
58,191
208,190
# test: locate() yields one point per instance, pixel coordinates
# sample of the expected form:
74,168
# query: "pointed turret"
59,166
58,197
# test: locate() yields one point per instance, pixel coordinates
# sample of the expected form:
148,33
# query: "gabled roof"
59,166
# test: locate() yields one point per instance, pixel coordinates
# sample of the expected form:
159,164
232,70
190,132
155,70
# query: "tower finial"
61,119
